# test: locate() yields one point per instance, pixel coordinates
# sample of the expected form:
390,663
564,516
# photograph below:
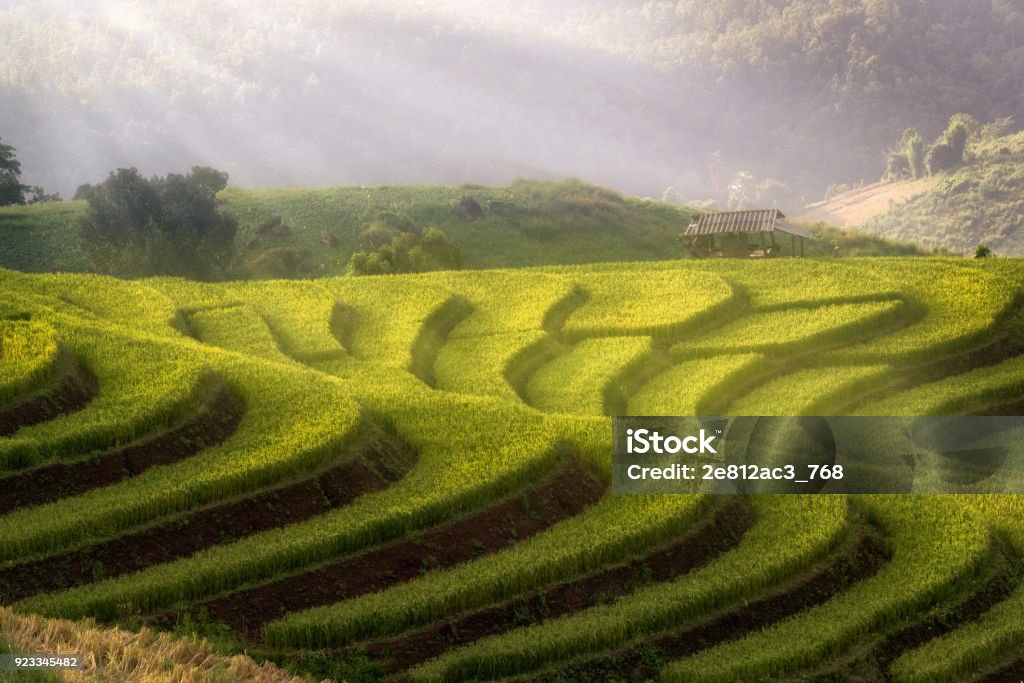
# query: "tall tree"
11,189
912,146
962,127
159,226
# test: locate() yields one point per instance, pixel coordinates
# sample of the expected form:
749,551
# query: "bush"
468,209
274,227
434,251
951,148
913,149
280,263
961,129
897,166
405,251
941,157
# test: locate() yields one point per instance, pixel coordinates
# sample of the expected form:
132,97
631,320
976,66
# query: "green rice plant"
26,675
1004,513
131,303
812,391
996,635
791,330
973,391
295,420
1009,268
489,465
962,303
646,303
502,300
504,332
477,442
298,313
28,356
811,525
480,365
189,296
804,282
386,315
433,335
579,381
236,328
936,547
611,531
967,650
683,388
15,305
144,386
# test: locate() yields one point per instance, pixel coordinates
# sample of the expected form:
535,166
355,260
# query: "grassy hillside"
41,238
523,224
981,202
526,223
362,476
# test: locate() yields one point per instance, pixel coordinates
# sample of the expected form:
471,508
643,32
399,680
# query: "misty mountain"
636,96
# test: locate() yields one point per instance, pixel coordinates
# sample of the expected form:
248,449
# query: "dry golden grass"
114,654
854,208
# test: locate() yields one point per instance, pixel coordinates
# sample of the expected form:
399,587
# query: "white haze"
627,94
284,93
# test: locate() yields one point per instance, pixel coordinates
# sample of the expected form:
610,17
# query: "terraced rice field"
408,477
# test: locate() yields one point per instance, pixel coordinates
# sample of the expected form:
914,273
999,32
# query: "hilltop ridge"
306,232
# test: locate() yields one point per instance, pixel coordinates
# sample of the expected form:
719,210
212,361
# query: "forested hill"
638,96
980,202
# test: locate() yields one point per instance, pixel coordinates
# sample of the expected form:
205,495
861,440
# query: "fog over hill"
640,97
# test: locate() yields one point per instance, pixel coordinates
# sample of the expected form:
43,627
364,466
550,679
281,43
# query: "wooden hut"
742,234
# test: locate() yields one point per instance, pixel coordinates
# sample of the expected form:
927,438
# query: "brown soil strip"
77,387
863,558
717,535
1011,673
561,496
994,589
217,420
1011,409
224,523
993,586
